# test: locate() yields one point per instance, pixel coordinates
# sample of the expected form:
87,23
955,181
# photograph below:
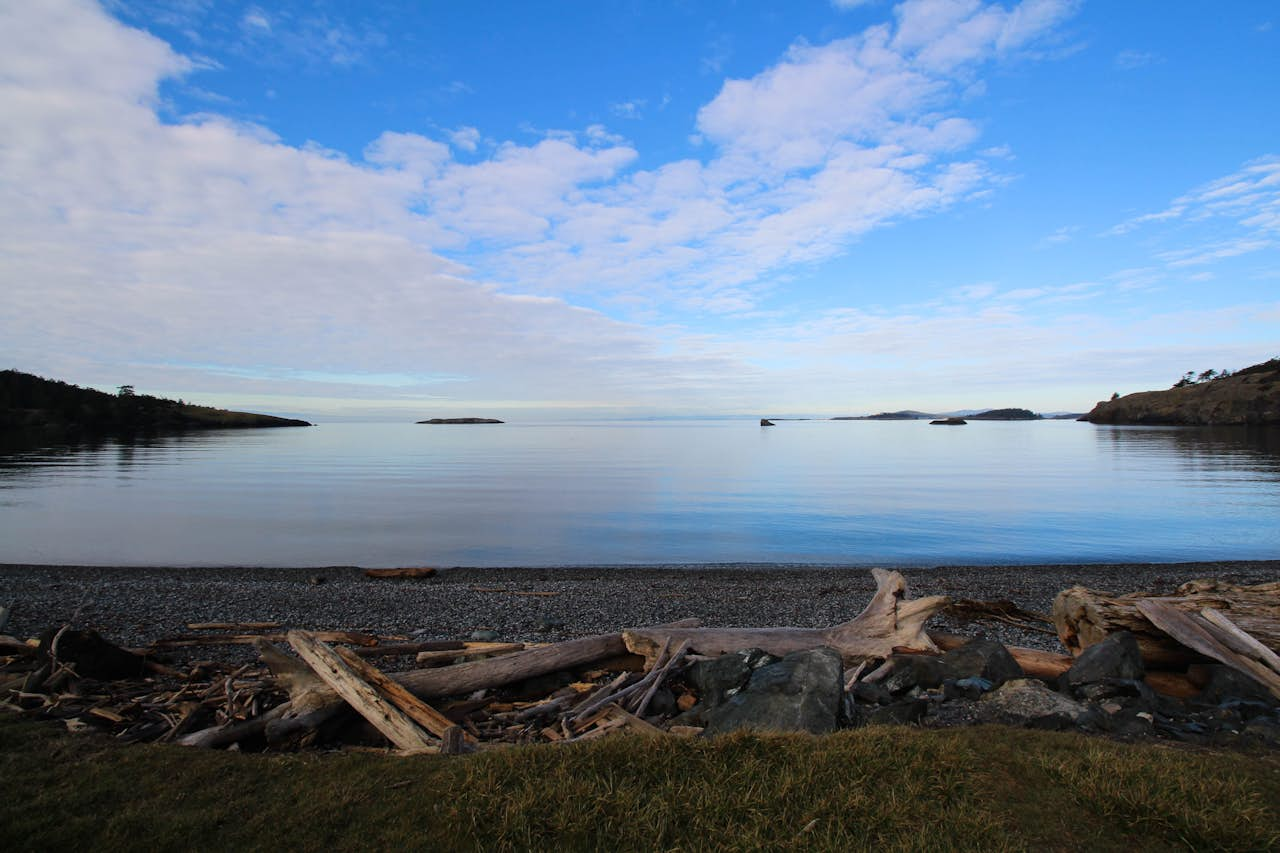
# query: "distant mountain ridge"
1249,396
33,403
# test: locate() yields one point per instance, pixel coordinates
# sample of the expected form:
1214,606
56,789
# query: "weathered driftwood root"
1084,617
891,620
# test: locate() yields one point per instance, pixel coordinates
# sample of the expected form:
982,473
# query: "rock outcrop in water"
37,405
1248,396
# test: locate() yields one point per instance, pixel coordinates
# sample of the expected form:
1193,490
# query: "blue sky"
385,209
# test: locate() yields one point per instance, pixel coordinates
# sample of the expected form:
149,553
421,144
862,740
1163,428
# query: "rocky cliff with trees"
1209,398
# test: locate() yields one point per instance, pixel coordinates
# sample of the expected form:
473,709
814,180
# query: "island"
948,422
461,421
1006,415
907,415
34,404
1250,396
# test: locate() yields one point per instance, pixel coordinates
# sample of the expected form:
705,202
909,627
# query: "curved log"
889,621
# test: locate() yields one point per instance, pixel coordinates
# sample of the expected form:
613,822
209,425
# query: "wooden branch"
385,717
1215,637
658,676
1083,617
394,649
220,736
185,640
473,648
889,620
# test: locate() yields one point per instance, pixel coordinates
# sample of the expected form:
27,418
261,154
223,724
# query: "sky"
616,208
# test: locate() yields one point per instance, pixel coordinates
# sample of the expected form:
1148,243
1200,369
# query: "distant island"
1212,398
1006,415
907,415
912,415
35,404
461,421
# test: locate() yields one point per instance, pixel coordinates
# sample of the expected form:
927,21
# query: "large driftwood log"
1084,617
890,620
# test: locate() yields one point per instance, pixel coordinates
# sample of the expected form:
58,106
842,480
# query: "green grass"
875,789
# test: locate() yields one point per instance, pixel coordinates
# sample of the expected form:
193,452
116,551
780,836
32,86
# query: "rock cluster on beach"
979,682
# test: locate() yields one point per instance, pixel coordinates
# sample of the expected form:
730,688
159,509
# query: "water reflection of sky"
661,492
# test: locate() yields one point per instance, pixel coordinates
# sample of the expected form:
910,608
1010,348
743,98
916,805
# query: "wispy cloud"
1128,60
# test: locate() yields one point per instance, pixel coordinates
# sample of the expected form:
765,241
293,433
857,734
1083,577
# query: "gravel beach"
135,605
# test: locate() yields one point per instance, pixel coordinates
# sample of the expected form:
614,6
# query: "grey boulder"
801,692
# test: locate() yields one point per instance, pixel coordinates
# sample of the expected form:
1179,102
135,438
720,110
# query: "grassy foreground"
879,788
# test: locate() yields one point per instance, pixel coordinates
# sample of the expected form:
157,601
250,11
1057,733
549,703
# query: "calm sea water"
647,492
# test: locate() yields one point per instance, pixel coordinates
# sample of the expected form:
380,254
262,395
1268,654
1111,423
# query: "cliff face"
1250,396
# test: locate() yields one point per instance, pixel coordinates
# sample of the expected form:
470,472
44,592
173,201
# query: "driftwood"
400,573
1214,635
1083,617
890,620
314,703
413,707
398,727
186,640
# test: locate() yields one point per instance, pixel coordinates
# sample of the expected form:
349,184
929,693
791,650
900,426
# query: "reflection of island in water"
1252,449
26,454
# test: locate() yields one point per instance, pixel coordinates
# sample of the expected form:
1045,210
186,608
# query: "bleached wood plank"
399,728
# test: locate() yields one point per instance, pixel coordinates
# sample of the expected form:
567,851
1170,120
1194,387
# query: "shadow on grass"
880,788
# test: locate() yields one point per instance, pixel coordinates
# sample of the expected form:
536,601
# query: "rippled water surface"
647,492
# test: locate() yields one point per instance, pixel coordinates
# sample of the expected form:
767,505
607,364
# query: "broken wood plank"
454,741
417,710
398,727
411,573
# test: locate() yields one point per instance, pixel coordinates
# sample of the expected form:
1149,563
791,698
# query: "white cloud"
207,247
846,5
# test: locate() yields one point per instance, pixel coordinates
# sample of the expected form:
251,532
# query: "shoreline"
134,605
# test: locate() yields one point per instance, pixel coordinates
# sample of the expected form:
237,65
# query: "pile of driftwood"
324,687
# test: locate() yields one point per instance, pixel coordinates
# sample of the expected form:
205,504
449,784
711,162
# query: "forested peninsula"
35,404
1250,396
